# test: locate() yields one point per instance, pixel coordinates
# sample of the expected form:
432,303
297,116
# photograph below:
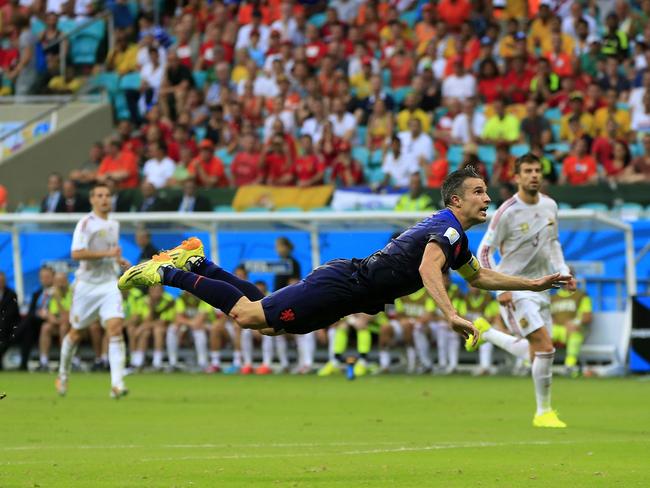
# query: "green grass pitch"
397,431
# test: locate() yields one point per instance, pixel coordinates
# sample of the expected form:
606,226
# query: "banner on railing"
362,198
279,197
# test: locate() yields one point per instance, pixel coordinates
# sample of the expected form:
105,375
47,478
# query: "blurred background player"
572,314
157,309
194,315
132,306
447,341
95,243
525,231
481,304
57,323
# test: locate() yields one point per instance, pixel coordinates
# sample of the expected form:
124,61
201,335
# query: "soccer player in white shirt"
525,231
95,293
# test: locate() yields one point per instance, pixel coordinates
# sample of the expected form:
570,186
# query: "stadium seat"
519,150
564,206
562,147
317,19
410,17
289,209
225,156
555,130
200,78
37,25
109,81
373,175
361,154
321,209
120,106
599,207
636,149
386,77
630,211
95,29
66,24
487,153
130,81
362,132
399,94
553,114
199,133
257,209
83,49
454,156
223,208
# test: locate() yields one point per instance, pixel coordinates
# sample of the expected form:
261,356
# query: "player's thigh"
532,315
397,330
110,306
84,310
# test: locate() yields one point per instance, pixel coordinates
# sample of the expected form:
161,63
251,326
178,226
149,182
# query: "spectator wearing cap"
579,167
159,168
120,165
246,167
454,12
309,167
343,122
615,40
460,84
206,168
467,126
576,111
398,166
278,161
244,33
416,143
346,171
502,127
611,111
410,111
535,128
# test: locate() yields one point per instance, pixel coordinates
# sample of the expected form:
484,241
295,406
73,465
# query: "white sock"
68,350
236,359
410,358
215,358
157,359
116,358
422,346
247,346
76,361
281,345
516,346
310,349
104,358
330,344
201,345
485,355
300,347
43,359
441,343
542,377
453,346
137,359
384,359
172,345
267,350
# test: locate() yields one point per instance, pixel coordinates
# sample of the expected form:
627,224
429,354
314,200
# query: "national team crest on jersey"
287,315
452,234
524,227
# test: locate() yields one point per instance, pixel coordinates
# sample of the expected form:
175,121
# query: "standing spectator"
579,168
401,66
143,240
53,202
277,159
246,167
9,315
118,165
467,126
502,126
398,166
206,168
24,74
415,200
346,172
159,168
72,203
49,40
535,128
460,84
190,201
309,168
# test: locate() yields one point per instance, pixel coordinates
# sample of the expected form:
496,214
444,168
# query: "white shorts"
91,302
531,311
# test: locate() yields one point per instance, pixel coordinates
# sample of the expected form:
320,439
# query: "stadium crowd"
351,92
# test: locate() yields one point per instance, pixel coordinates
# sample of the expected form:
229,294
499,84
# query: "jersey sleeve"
81,236
491,240
446,236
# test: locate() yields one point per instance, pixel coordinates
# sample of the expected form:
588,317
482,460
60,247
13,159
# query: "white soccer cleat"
117,392
61,384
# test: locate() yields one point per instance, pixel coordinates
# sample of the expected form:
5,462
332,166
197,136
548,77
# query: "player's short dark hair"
454,182
526,158
99,185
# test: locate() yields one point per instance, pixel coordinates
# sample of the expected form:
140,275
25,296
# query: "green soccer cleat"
189,252
482,325
548,420
145,274
329,369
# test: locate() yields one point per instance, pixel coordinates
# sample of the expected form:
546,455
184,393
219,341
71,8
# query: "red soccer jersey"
579,171
125,161
350,176
278,167
214,167
246,169
307,167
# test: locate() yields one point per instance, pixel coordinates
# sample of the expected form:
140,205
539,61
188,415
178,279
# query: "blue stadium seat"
562,147
223,208
410,17
376,157
318,19
120,106
65,24
95,29
361,154
130,81
555,130
553,114
321,209
454,156
83,49
225,156
199,133
399,94
373,175
488,154
630,211
564,206
386,77
362,132
109,81
200,77
257,209
636,149
37,25
289,209
519,150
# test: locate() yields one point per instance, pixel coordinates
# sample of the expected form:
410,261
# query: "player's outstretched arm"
489,279
87,254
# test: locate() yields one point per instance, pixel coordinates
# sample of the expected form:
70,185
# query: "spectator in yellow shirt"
411,110
585,119
620,116
501,127
123,58
65,84
361,81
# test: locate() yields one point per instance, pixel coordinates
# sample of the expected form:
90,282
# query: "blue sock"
217,293
210,270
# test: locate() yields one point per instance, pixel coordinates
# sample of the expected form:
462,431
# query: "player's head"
100,198
283,246
528,173
240,272
61,280
465,192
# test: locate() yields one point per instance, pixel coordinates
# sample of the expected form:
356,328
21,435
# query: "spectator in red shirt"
329,145
401,66
309,168
454,12
278,161
561,62
181,139
517,80
579,168
206,168
504,166
347,172
602,148
246,168
315,48
490,85
119,165
129,142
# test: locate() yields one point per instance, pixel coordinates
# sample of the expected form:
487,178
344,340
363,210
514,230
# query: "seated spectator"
504,166
252,105
454,12
279,113
360,81
123,58
57,322
641,116
611,111
343,122
143,240
535,128
397,165
206,168
639,170
222,82
380,126
148,200
49,40
612,79
277,158
346,171
490,82
151,75
516,80
176,83
185,46
416,144
245,32
548,168
620,161
246,168
460,84
579,168
401,66
190,201
615,40
544,83
159,168
53,201
415,200
411,110
213,50
4,199
313,126
561,62
72,202
467,126
502,127
540,27
119,165
328,147
427,91
470,158
309,168
637,95
602,148
377,92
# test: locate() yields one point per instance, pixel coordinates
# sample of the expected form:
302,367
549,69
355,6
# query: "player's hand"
571,285
555,280
114,252
464,328
505,298
124,263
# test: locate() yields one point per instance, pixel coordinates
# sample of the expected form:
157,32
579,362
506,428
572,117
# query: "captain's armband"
469,269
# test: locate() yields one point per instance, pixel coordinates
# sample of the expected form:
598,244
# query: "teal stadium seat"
289,209
553,114
130,81
318,19
376,158
519,150
257,209
108,81
65,24
199,133
361,154
488,154
454,156
630,211
374,175
599,207
636,149
223,208
362,133
36,25
410,17
225,156
321,209
399,94
386,77
200,78
84,43
564,206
